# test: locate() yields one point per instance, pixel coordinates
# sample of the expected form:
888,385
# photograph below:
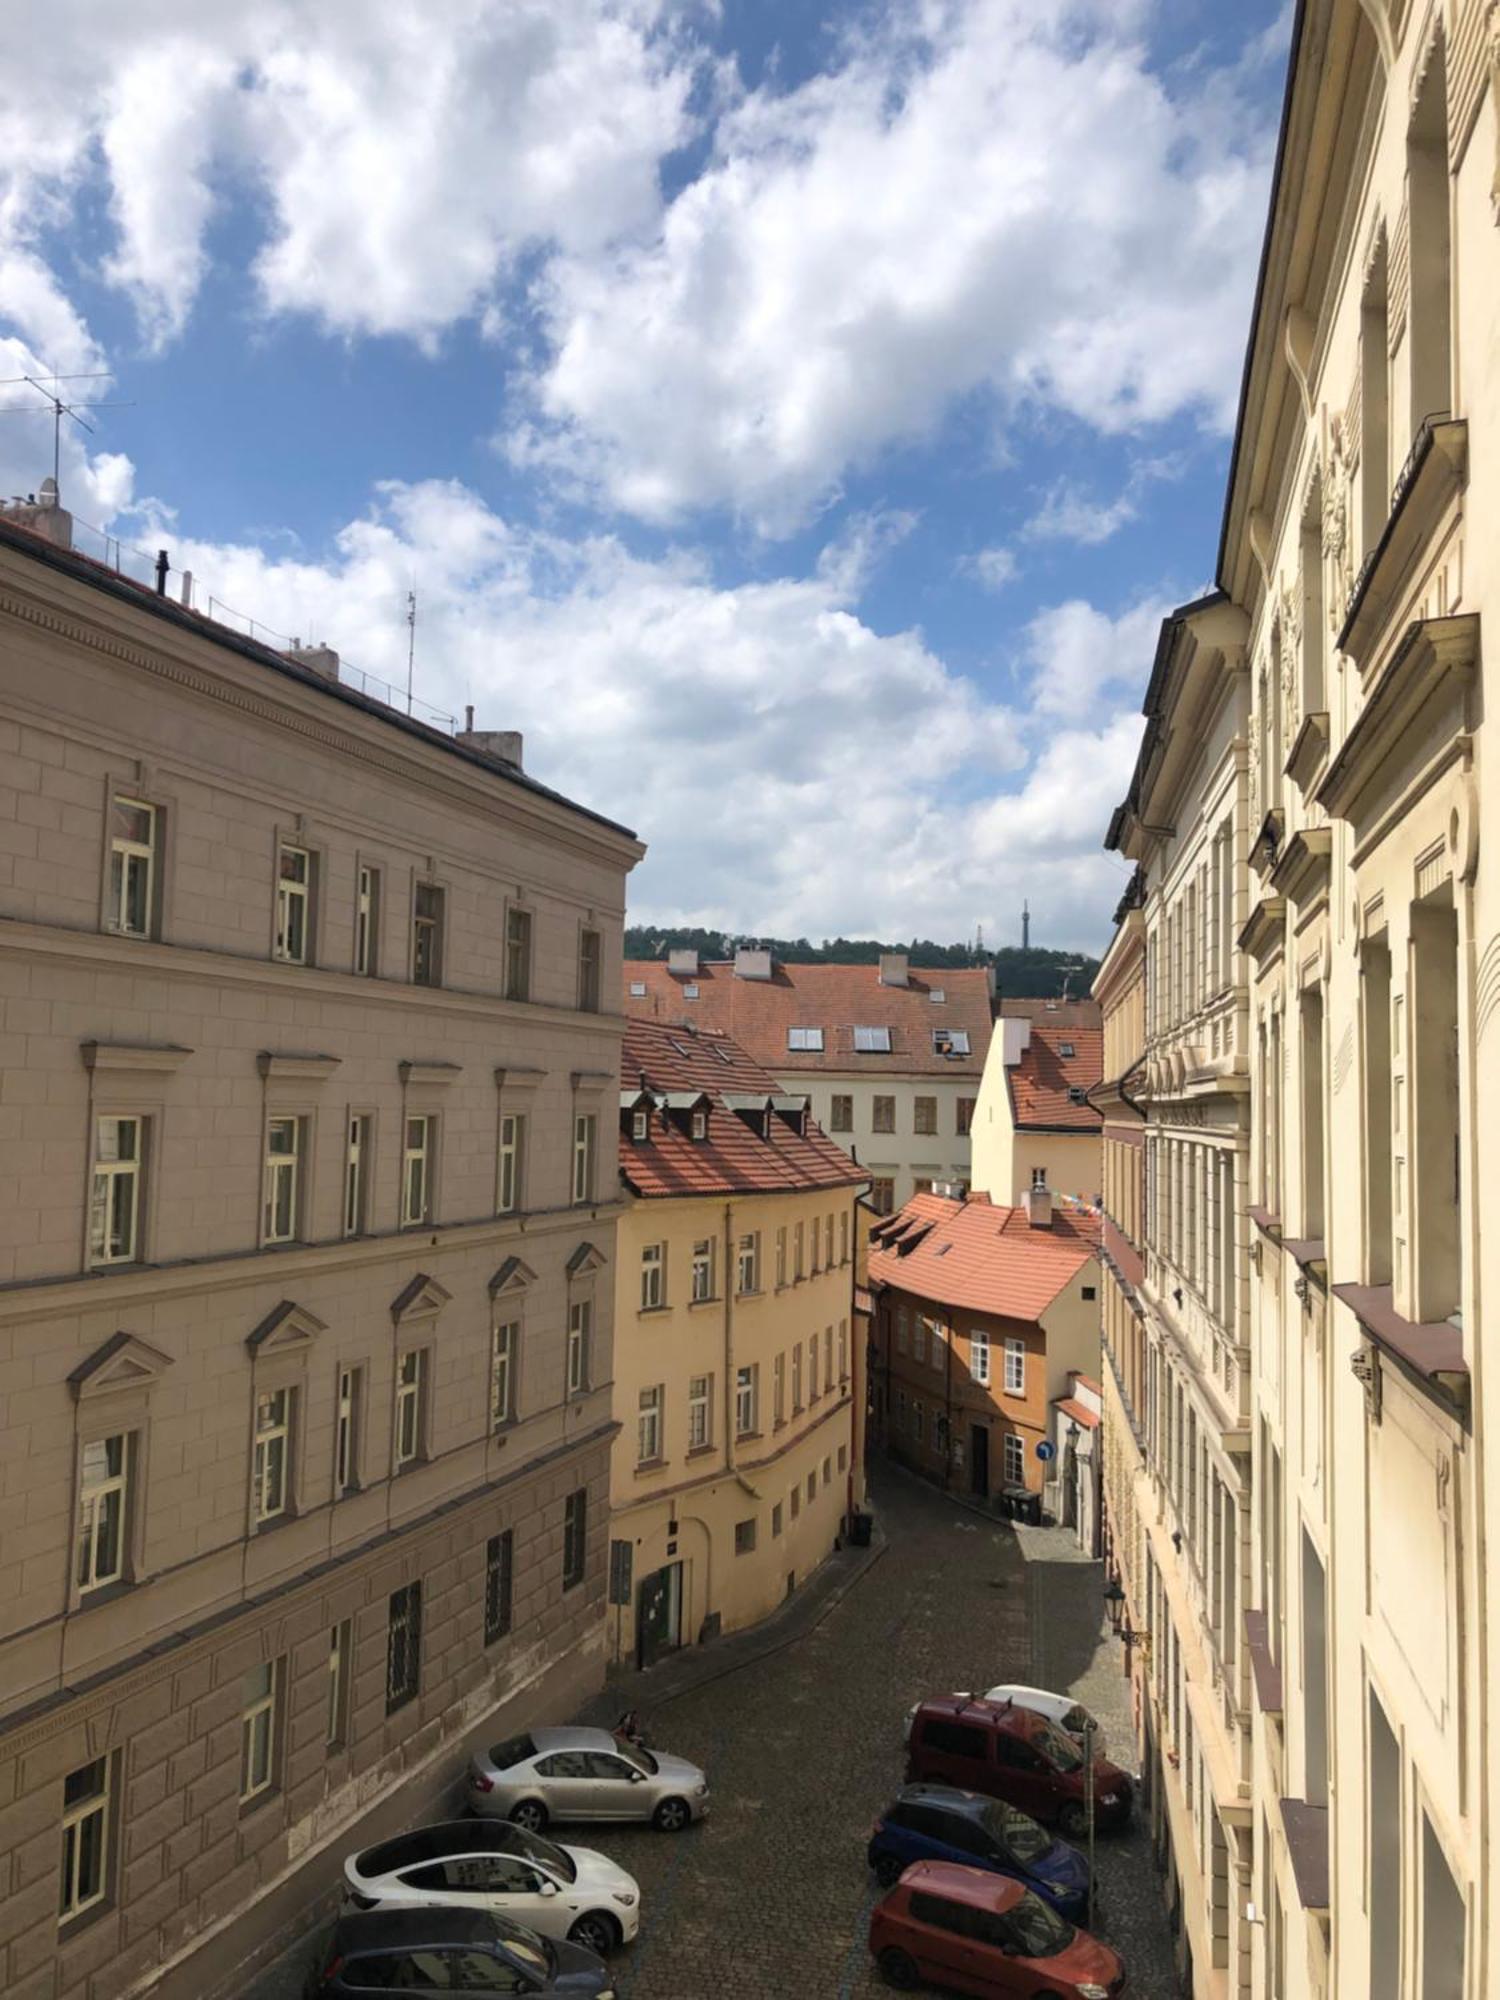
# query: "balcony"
1435,473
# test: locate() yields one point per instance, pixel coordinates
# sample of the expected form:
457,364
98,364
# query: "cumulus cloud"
764,739
993,567
1081,658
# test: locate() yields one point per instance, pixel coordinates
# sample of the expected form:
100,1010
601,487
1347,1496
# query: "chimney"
42,514
321,660
752,964
1039,1207
503,744
683,962
893,968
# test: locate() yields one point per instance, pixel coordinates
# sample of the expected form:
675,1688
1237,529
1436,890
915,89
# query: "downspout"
948,1412
731,1453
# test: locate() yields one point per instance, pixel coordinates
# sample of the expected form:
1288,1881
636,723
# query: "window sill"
272,1522
410,1465
747,1437
249,1807
649,1312
105,1593
702,1450
646,1468
753,1293
713,1299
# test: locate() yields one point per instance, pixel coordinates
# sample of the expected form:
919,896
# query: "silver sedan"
552,1774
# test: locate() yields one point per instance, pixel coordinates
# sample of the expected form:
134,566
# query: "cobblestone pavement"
770,1897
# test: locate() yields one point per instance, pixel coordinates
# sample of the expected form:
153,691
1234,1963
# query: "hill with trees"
1029,973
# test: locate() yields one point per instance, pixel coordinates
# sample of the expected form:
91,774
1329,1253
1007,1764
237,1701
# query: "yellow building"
1034,1126
738,1379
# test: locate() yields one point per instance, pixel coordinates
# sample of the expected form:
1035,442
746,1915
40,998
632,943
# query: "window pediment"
429,1072
514,1077
303,1068
585,1260
512,1276
423,1298
1415,721
286,1329
134,1058
123,1362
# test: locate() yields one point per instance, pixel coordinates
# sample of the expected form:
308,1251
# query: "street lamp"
1114,1604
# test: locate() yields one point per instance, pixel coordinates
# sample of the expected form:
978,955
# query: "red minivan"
945,1925
1016,1755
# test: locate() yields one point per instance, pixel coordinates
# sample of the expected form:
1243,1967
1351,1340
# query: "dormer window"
872,1041
1066,1049
700,1125
1077,1094
804,1038
640,1125
937,996
690,991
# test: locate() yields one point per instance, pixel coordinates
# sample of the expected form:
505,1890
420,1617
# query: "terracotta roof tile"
1079,1412
1040,1083
758,1013
976,1255
734,1158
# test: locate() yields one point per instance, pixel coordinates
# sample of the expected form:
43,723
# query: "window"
346,1431
690,991
924,1115
134,844
1089,1292
699,1125
270,1466
1066,1049
115,1203
884,1114
1015,1460
919,1337
583,1157
780,1258
427,935
294,871
517,954
778,1390
411,1371
1015,1367
700,1412
258,1731
1039,1179
505,1344
640,1124
957,1739
745,1400
965,1119
340,1638
86,1856
403,1647
816,1230
844,1237
797,1253
828,1359
499,1567
648,1426
979,1356
804,1038
776,1521
901,1329
812,1369
356,1176
367,921
280,1217
796,1377
103,1510
590,960
937,996
747,1276
580,1316
512,1159
950,1041
703,1269
637,989
827,1471
872,1041
812,1487
575,1537
795,1497
653,1277
883,1195
841,1117
744,1537
843,1350
416,1172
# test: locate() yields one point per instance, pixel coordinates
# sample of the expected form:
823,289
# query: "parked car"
981,1934
552,1774
941,1823
1069,1715
441,1951
560,1892
1016,1755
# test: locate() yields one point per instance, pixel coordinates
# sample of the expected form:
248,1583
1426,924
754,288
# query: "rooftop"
1048,1084
979,1256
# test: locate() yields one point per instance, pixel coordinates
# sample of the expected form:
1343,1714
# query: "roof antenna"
58,408
411,642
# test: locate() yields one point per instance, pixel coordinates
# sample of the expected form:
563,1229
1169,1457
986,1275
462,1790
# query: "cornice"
1302,872
1266,929
1434,663
137,1058
303,1068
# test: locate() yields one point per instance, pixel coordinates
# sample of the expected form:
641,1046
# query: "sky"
795,416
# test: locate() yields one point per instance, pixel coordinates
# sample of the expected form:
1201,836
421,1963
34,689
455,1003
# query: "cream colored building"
1034,1124
307,1088
738,1380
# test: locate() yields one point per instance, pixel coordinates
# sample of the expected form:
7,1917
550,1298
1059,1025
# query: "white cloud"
763,739
1079,656
1066,515
994,567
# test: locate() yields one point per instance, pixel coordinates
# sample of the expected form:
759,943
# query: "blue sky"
794,418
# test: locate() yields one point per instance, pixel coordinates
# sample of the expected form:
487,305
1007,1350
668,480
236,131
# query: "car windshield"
514,1750
1060,1751
1016,1832
534,1848
524,1946
1039,1931
642,1759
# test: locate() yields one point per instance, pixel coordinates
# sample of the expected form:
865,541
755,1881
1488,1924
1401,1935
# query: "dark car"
940,1823
979,1934
1016,1755
443,1951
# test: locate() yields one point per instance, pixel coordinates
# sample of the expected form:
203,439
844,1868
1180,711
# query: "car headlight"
703,1789
1090,1991
625,1898
606,1993
1109,1799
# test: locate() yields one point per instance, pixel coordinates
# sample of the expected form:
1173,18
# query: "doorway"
658,1614
979,1461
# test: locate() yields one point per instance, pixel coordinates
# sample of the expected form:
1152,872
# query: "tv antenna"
58,406
411,642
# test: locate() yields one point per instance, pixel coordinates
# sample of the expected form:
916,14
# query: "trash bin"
860,1525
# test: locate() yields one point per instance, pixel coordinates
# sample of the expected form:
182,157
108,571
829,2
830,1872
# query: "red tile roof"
979,1256
1053,1013
1040,1082
733,1158
757,1013
1079,1412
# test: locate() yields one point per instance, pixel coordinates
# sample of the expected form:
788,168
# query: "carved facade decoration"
1492,62
1289,622
1257,804
1336,513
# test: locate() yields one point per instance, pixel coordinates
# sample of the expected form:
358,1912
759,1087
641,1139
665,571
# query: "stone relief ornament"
1256,814
1336,520
1291,635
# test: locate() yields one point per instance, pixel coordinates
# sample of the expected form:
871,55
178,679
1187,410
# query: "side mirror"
549,1887
637,1777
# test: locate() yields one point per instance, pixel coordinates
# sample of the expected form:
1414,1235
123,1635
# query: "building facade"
306,1275
738,1368
1035,1124
1181,1535
891,1057
982,1317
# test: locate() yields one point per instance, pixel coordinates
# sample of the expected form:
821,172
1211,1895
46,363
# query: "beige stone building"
307,1092
738,1378
1035,1124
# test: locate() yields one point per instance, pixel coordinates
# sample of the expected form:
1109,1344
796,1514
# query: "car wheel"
1072,1821
531,1814
887,1870
672,1815
898,1969
597,1930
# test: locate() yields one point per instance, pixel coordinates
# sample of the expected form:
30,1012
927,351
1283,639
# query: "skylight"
637,989
872,1041
690,992
804,1038
1066,1049
937,996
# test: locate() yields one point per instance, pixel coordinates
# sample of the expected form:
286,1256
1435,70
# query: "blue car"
941,1823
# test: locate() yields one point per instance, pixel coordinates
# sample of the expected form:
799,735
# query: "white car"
560,1892
1069,1715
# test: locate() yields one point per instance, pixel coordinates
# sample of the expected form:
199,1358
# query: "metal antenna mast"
58,407
411,642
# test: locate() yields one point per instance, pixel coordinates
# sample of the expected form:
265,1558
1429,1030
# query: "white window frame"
1014,1475
281,1193
583,1157
703,1270
270,1467
98,1805
700,1412
979,1356
346,1424
94,1512
512,1162
258,1732
109,1177
699,1125
427,927
505,1347
950,1041
366,920
1039,1180
132,860
580,1330
356,1175
640,1125
648,1424
416,1168
872,1041
809,1039
294,905
1015,1366
748,1263
746,1397
411,1397
653,1277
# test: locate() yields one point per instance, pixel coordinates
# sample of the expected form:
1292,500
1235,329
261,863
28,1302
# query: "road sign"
1045,1449
621,1562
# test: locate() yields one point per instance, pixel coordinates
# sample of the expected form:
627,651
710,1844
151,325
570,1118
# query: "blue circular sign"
1046,1449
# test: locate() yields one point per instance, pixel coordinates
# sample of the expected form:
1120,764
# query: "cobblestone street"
771,1896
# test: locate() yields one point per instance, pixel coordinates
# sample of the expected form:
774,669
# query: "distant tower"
1025,926
979,940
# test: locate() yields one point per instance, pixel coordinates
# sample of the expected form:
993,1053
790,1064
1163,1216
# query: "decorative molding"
1309,752
1427,679
584,1260
1303,869
518,1076
423,1298
1301,334
1398,280
1378,13
429,1072
304,1068
123,1362
285,1328
591,1082
512,1276
1435,474
133,1058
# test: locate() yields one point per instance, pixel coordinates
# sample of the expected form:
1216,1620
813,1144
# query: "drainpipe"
948,1412
731,1453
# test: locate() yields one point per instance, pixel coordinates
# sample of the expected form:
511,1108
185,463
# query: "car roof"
572,1739
951,1798
437,1843
974,1886
411,1928
975,1708
1014,1691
